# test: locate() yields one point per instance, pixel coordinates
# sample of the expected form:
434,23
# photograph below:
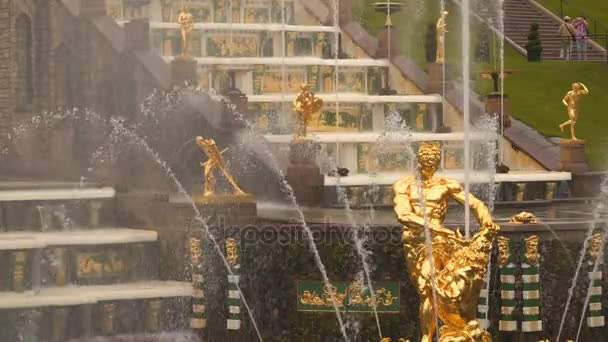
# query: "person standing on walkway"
581,27
566,34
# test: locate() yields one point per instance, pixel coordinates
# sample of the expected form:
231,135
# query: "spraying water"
118,129
600,205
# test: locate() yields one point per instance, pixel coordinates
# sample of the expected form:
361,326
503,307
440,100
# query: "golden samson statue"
456,272
571,101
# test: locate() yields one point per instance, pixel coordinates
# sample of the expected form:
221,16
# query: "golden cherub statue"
440,32
307,107
185,20
571,101
459,265
215,161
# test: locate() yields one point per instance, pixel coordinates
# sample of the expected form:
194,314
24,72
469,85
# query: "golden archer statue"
307,107
571,101
186,21
215,161
440,32
459,265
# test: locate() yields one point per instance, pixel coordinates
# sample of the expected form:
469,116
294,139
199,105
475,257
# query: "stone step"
160,337
80,295
99,236
56,194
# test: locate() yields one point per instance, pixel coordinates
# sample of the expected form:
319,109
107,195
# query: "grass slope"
593,9
536,89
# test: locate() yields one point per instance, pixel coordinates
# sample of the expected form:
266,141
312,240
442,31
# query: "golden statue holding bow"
307,107
215,161
459,265
185,20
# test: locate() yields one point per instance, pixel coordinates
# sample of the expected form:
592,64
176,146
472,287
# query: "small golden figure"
441,31
307,107
524,218
459,265
216,161
186,21
571,101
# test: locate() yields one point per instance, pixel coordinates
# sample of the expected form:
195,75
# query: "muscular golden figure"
441,31
571,101
307,107
459,265
216,161
186,21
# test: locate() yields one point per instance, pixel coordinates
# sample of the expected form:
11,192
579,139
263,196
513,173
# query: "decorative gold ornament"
459,265
595,245
504,251
441,31
524,218
215,162
532,250
307,107
194,245
383,296
19,265
185,20
571,101
109,310
388,339
232,252
314,299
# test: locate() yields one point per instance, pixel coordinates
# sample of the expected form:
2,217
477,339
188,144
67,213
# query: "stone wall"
56,56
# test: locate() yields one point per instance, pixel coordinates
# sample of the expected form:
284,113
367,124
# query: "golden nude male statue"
307,107
185,20
441,31
215,162
459,265
571,101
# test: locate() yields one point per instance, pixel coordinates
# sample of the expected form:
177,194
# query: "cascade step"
78,237
91,294
60,194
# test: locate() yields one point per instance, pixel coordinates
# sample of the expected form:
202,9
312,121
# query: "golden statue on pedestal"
459,265
307,107
440,32
571,101
215,162
185,20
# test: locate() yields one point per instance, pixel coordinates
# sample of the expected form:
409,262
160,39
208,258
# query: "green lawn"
536,91
593,9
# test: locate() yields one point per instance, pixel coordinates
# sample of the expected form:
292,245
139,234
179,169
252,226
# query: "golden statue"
186,22
215,161
441,31
524,218
307,107
459,265
571,101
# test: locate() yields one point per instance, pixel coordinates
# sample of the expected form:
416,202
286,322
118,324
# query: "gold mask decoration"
504,252
532,250
232,254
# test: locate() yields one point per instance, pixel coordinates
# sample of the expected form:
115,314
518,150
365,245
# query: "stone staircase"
520,14
69,270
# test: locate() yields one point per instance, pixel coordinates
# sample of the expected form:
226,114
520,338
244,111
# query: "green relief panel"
349,296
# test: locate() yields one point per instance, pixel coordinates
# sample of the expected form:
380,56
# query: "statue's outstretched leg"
236,188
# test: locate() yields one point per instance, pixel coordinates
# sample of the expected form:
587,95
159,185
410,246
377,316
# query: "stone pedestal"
493,105
183,70
303,174
436,80
572,156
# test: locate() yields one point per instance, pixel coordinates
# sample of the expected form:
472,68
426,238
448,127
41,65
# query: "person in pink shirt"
581,27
